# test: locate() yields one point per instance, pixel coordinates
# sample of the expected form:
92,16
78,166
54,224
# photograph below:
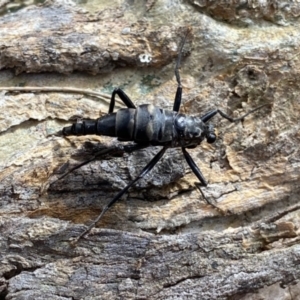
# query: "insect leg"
199,175
177,100
178,95
149,166
118,148
126,100
212,113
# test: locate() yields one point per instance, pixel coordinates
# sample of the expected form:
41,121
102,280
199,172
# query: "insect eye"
211,138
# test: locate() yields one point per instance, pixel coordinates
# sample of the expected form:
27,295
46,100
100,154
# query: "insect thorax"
190,130
151,124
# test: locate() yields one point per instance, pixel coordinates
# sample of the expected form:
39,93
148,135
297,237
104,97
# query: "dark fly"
148,125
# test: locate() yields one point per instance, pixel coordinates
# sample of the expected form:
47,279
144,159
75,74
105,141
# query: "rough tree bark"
163,241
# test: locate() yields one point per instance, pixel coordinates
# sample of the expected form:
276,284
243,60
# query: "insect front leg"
199,175
178,96
126,100
212,113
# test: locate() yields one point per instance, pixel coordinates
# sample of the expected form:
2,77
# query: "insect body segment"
192,131
152,125
101,126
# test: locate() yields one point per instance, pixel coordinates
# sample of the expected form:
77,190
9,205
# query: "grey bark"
162,240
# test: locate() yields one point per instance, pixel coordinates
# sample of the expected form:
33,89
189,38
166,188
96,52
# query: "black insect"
148,125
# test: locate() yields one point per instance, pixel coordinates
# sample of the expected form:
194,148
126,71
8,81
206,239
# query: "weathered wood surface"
78,41
163,241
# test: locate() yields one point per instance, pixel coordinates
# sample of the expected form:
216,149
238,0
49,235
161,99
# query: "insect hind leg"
119,148
146,169
126,100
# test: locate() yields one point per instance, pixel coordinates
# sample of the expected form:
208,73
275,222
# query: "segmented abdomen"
147,123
